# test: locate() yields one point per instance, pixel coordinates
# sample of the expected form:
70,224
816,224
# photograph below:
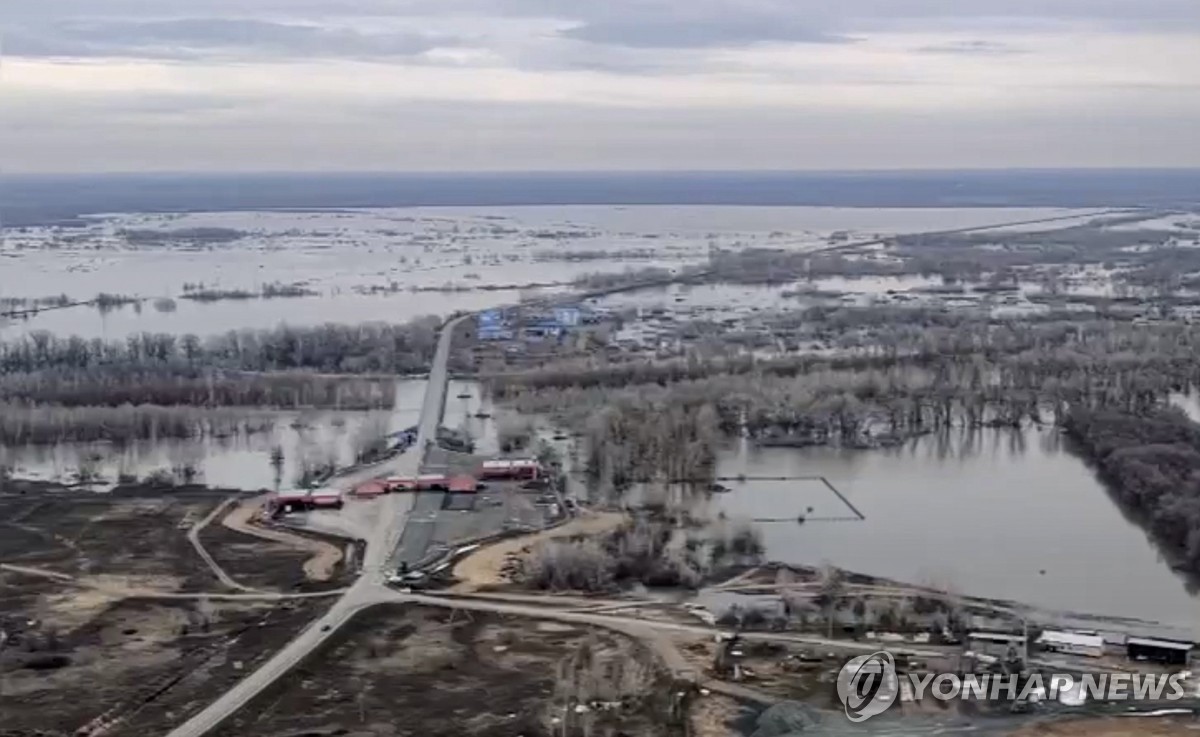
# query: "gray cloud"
977,47
684,32
844,107
205,37
191,28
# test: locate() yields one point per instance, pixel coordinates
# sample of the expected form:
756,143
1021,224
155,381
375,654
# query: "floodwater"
995,513
337,252
470,411
207,318
240,462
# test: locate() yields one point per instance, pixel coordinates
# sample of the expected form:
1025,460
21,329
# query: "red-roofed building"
293,500
433,481
463,484
372,488
325,498
525,469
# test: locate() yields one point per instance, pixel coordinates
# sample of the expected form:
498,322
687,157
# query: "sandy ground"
1115,727
325,556
485,567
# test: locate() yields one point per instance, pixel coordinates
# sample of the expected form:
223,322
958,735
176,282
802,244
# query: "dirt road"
193,536
116,587
325,556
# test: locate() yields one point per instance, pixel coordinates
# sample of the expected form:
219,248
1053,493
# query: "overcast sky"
136,85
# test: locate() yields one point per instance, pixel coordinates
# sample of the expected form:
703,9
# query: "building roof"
463,483
995,637
1161,644
1055,637
506,463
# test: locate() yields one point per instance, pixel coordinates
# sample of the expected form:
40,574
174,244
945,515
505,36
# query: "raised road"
371,586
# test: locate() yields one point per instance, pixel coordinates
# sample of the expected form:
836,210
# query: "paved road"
371,587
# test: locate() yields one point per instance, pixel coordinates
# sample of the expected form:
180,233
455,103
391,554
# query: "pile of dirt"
488,567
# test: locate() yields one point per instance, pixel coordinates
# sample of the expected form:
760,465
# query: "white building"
1072,643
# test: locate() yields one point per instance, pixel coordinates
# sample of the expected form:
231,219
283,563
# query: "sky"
483,85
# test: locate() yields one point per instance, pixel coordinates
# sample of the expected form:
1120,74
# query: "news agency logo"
868,685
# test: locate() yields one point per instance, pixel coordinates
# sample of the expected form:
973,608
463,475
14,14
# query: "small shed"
1167,652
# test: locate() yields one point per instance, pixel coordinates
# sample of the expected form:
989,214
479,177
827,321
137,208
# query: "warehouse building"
1167,652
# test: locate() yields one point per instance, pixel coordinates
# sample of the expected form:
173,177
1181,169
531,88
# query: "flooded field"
362,265
992,513
206,318
238,462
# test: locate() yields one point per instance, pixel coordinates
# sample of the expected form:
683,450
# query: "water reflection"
982,511
240,461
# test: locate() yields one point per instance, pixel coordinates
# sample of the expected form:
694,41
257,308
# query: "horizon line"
598,172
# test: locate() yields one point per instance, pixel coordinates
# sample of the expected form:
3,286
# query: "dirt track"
485,567
325,556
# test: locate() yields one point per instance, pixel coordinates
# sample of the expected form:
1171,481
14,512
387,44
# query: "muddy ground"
94,535
272,566
139,667
80,639
412,671
142,540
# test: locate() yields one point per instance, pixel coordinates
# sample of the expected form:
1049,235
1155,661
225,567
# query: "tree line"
46,425
114,386
333,348
1152,460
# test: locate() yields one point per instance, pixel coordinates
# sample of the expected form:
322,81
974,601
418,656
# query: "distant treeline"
190,236
997,256
58,300
609,280
44,425
349,349
1153,463
201,293
113,386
